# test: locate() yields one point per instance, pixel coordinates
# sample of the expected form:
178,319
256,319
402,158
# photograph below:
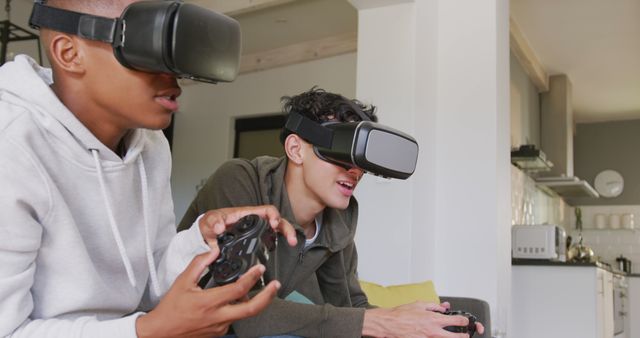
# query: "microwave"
544,241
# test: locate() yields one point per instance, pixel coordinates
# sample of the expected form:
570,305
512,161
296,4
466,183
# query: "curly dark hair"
321,106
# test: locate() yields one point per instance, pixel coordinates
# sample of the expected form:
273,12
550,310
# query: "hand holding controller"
470,329
245,244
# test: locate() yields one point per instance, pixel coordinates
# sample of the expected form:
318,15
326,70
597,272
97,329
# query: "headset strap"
356,109
86,26
316,132
309,130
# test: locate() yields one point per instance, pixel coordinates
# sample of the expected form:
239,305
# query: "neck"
90,115
304,204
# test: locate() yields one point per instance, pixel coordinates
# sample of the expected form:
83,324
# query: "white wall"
441,69
203,134
385,235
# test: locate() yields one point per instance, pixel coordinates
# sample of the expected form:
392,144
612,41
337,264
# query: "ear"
66,53
293,147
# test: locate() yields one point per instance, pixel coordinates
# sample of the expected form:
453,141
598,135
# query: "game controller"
244,244
470,329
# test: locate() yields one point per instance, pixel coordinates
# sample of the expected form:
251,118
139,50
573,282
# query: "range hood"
557,129
570,187
530,159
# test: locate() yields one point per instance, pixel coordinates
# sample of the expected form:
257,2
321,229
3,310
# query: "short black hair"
90,6
321,106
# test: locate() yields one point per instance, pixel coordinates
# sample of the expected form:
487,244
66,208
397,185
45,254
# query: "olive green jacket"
325,272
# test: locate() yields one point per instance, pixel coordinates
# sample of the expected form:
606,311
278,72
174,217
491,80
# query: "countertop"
519,261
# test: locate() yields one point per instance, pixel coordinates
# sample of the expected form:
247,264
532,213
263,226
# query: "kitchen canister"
600,221
627,221
614,221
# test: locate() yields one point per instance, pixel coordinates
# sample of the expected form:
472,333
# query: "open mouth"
347,185
168,102
168,99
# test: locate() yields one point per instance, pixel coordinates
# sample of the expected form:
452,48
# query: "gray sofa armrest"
477,307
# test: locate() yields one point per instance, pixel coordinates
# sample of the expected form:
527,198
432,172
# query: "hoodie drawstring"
116,232
145,213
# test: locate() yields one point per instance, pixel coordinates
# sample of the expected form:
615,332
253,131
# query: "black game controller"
245,244
470,329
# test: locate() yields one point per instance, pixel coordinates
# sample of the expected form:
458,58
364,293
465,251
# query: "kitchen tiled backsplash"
610,243
530,205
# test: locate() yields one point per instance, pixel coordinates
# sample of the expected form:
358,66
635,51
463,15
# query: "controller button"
225,238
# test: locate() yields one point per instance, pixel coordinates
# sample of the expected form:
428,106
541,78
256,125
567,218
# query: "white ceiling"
596,43
292,22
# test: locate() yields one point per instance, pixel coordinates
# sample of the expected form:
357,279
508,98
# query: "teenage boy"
321,271
87,234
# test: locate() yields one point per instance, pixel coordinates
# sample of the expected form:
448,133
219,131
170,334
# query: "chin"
340,204
159,123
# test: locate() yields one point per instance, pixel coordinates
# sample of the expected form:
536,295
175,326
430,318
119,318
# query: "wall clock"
609,183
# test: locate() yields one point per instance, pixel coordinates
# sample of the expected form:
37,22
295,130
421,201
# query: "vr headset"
370,146
171,37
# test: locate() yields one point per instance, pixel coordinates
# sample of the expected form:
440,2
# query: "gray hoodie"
325,272
86,237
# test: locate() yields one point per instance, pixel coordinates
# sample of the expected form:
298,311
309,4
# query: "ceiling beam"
299,52
526,56
237,7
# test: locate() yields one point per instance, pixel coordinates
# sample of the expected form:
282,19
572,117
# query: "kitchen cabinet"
633,314
561,301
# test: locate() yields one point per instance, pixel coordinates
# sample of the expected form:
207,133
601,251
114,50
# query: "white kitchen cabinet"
633,313
560,301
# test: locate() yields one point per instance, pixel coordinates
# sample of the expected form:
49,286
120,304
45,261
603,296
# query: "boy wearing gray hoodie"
88,246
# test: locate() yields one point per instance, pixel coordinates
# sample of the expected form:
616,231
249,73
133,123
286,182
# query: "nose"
171,80
168,77
357,172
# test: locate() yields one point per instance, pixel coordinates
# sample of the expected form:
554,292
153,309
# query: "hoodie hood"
73,139
33,92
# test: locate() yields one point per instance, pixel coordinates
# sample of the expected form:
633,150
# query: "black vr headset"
370,146
171,37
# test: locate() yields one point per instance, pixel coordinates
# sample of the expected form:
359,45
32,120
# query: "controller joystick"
225,239
226,271
470,329
246,224
244,244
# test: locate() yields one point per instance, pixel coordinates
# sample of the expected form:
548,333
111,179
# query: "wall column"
439,70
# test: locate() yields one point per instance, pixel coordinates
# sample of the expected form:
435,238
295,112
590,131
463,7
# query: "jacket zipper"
285,289
301,253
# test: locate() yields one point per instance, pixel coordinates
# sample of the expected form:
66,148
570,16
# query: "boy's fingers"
479,328
435,307
237,290
228,216
287,230
271,214
253,306
198,264
220,219
454,320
